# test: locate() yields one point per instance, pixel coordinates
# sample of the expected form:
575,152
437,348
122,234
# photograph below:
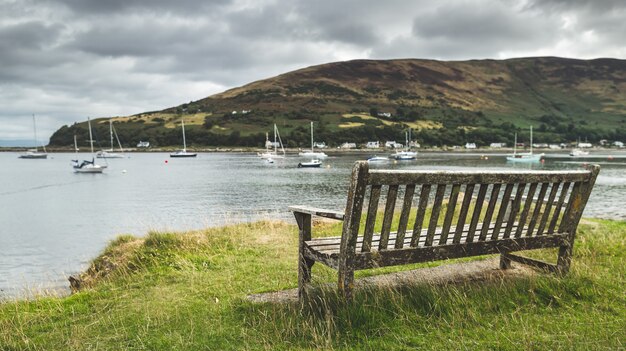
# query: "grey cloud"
72,58
107,7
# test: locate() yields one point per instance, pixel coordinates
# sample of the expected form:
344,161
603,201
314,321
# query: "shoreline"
330,151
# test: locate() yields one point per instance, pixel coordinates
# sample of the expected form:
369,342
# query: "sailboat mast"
275,147
184,141
90,135
35,130
531,140
111,131
515,145
311,136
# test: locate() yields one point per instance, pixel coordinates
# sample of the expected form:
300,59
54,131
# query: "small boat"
312,152
525,156
404,155
269,160
578,153
183,152
378,159
273,154
86,166
35,154
110,152
311,164
407,154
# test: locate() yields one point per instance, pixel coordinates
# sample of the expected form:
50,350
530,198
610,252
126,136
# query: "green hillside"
445,102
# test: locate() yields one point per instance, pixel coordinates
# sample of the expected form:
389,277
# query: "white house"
470,145
143,144
348,146
393,145
319,144
618,144
373,144
584,145
497,145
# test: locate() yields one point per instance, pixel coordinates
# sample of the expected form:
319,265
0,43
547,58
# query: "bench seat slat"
332,244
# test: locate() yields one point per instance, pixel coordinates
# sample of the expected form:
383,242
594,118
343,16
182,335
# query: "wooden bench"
471,214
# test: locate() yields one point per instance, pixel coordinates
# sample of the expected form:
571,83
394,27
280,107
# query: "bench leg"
564,259
505,261
304,264
346,284
304,274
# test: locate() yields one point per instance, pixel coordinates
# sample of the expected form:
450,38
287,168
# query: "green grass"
187,291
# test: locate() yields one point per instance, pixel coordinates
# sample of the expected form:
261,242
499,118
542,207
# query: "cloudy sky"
64,60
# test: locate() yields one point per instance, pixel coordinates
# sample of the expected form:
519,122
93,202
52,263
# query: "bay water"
54,221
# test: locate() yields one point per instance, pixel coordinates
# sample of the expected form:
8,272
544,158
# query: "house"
618,144
415,144
319,145
144,144
497,145
393,145
373,144
555,146
347,146
384,114
470,145
584,145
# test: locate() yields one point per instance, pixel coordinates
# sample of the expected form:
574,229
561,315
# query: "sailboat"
183,152
407,154
109,153
525,156
86,166
312,153
268,154
577,151
34,153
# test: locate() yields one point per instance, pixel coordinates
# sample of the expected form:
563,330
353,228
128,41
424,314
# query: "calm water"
53,222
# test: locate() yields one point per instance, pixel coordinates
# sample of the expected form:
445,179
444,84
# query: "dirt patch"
483,270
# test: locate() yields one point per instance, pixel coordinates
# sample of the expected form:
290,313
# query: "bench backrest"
443,207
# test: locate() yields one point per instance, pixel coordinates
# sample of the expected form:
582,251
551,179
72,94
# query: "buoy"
165,161
123,171
610,157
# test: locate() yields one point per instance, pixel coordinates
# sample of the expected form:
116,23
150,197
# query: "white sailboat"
183,152
311,164
268,154
312,153
110,152
577,151
406,154
86,166
34,153
524,156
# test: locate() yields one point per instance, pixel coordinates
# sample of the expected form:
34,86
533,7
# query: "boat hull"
34,156
180,155
524,158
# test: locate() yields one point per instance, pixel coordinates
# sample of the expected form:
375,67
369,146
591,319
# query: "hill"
446,102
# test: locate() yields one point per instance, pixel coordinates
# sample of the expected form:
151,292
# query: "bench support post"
505,261
565,258
304,264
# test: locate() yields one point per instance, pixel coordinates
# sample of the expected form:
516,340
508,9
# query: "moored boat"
311,164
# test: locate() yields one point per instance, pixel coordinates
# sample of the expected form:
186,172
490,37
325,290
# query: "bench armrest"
318,212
